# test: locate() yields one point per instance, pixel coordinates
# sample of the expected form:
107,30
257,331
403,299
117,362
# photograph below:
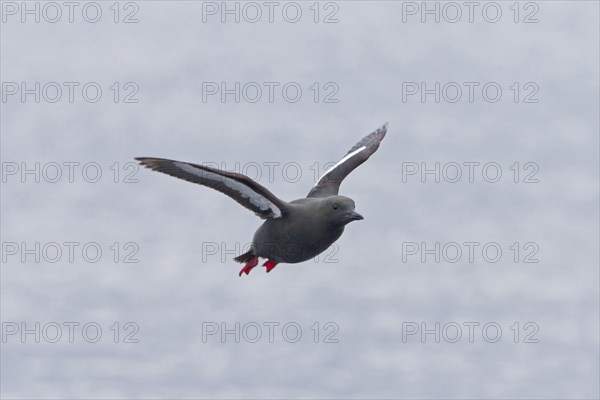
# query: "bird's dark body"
299,236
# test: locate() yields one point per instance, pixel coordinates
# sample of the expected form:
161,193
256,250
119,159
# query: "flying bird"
293,231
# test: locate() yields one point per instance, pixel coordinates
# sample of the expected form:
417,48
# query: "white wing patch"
337,164
255,198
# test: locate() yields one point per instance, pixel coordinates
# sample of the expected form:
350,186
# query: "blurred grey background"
185,236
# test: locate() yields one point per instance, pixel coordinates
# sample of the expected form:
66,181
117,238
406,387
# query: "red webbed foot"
270,265
249,265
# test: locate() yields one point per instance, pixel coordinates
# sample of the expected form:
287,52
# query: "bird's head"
340,210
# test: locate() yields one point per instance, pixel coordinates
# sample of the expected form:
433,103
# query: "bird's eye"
334,206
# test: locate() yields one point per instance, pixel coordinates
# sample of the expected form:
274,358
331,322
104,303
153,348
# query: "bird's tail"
247,256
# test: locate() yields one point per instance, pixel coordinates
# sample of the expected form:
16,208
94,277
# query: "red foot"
249,265
270,265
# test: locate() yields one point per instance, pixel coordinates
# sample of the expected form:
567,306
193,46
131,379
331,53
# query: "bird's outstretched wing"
240,188
329,184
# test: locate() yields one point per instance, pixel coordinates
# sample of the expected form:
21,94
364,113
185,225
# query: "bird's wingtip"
382,131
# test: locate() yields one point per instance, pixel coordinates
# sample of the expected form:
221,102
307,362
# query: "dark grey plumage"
293,232
329,184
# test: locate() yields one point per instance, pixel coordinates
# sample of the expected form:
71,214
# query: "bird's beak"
354,216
